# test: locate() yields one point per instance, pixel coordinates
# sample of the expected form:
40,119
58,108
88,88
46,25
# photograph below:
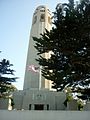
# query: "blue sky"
15,25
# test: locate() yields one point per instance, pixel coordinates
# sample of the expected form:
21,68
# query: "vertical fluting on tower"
41,21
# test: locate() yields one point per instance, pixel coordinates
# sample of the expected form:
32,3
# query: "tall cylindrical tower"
41,21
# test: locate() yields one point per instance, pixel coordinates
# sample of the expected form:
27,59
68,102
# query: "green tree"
5,78
69,43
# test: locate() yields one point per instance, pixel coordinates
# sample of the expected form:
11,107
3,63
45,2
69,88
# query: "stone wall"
44,115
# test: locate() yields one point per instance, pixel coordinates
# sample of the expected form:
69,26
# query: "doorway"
38,107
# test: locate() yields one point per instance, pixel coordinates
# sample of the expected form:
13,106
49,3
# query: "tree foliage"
69,44
5,78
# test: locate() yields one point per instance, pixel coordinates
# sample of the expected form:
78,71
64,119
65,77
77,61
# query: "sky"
15,25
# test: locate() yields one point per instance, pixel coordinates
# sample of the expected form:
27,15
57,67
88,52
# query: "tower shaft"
41,21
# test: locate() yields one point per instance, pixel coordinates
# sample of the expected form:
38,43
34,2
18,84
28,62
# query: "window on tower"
42,18
49,20
35,19
42,10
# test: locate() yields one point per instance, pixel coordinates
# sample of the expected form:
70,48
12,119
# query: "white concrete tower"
41,20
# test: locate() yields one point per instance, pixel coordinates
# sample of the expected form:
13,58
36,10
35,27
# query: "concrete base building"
39,100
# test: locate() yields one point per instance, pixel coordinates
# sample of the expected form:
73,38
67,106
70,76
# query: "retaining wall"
44,115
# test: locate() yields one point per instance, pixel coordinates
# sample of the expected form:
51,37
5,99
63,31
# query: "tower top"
42,8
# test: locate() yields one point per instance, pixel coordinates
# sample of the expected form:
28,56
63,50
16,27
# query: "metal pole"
40,78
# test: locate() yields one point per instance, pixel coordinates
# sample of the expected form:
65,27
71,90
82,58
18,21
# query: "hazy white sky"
15,25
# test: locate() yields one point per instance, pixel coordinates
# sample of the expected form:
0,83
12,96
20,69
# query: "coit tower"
41,21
